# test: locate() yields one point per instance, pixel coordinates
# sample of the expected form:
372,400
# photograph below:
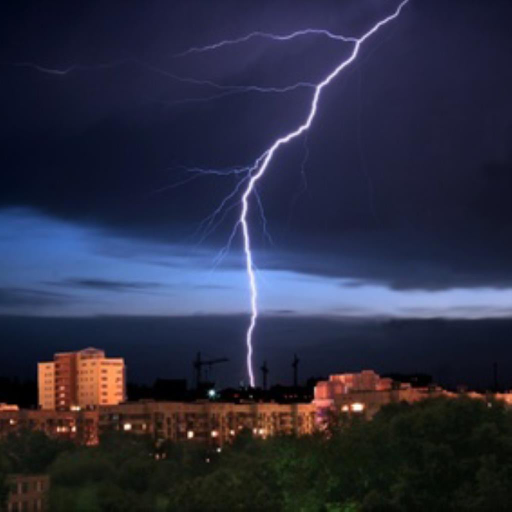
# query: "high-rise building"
80,380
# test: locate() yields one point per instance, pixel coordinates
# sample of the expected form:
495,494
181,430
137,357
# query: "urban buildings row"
82,395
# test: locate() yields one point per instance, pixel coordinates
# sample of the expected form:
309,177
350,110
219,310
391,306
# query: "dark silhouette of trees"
443,454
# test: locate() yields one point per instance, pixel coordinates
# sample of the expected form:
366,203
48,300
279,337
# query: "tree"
32,451
4,471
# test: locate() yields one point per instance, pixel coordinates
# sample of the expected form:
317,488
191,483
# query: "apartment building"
82,379
78,426
211,422
365,393
101,380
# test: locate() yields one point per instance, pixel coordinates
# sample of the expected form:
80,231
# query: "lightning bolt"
267,35
248,176
258,169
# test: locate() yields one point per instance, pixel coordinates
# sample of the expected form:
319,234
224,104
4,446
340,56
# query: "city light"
127,427
190,434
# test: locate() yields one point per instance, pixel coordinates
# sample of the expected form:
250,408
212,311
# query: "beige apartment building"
82,379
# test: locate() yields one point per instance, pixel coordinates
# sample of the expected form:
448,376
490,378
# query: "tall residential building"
81,379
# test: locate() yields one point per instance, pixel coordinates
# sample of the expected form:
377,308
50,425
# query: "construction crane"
264,371
200,363
295,366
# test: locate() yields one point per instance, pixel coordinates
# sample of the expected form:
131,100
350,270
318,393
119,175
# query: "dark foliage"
444,454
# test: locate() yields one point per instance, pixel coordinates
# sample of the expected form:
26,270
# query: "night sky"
390,223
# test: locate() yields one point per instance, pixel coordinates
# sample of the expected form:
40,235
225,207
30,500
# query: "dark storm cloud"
409,162
480,311
107,285
281,312
27,297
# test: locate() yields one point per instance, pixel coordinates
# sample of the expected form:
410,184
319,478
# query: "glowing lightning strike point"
264,160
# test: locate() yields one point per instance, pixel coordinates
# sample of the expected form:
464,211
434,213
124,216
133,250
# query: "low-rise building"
77,426
365,393
212,422
28,493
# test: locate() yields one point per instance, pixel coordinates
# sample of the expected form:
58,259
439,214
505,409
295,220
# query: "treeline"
442,455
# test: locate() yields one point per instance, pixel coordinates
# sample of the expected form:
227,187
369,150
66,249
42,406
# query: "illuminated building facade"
210,422
46,385
78,426
82,379
365,393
